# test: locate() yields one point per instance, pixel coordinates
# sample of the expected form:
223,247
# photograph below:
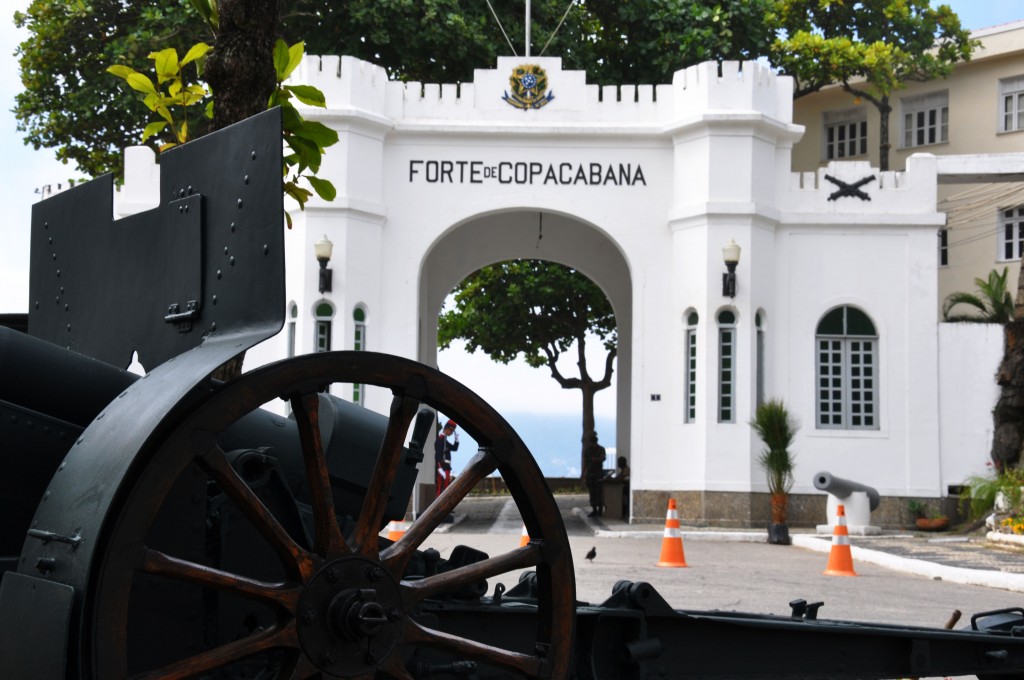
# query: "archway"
532,234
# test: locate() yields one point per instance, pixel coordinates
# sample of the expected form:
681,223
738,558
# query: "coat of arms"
529,87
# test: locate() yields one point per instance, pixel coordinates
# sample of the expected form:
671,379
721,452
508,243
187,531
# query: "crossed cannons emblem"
846,189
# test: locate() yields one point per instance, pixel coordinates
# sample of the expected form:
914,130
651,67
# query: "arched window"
690,385
358,344
293,317
324,315
759,369
847,372
726,366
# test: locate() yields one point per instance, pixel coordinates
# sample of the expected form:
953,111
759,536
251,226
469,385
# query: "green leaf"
153,128
318,133
295,54
195,52
323,188
121,71
309,153
166,64
307,94
280,59
139,82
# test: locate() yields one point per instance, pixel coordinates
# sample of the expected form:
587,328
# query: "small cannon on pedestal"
858,501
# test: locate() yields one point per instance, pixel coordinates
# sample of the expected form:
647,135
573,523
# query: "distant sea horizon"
553,439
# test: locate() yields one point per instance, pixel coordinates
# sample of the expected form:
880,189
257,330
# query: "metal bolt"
327,659
239,204
309,616
332,575
371,656
374,573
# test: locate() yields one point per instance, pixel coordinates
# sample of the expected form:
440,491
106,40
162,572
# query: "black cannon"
172,526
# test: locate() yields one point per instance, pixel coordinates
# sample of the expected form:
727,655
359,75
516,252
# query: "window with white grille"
925,119
846,134
1011,104
1010,232
847,375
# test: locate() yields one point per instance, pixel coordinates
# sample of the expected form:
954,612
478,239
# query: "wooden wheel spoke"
327,539
215,463
389,458
396,556
218,657
282,595
529,555
477,651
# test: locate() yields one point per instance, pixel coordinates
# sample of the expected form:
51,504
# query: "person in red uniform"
443,457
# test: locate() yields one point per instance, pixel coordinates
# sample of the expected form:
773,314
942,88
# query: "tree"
871,48
72,105
993,303
538,309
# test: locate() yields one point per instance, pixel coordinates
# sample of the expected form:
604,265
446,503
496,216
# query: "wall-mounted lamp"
323,249
731,255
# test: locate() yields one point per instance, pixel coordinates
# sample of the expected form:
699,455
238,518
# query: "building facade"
640,188
977,111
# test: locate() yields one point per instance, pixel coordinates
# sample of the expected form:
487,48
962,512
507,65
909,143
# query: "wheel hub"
350,616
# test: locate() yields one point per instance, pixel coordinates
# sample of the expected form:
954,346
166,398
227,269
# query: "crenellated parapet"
565,99
855,192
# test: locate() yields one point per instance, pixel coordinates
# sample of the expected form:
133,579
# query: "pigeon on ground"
592,554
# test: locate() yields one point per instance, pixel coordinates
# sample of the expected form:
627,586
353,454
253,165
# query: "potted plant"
926,520
776,428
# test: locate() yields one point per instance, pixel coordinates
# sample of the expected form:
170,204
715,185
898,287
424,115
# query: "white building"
640,188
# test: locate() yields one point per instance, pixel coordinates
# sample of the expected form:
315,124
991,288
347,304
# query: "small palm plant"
992,304
777,428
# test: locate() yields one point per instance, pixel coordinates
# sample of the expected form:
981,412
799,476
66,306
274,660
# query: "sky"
546,416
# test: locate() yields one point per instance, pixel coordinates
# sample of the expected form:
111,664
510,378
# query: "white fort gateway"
640,188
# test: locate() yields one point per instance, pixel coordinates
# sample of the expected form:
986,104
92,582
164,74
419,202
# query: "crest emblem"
529,87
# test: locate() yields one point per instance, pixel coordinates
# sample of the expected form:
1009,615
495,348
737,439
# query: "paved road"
742,575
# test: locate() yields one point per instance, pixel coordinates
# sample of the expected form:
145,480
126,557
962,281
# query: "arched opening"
537,236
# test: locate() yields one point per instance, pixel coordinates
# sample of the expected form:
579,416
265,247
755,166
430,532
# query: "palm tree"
993,303
776,428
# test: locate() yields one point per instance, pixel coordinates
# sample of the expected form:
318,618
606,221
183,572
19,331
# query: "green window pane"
324,309
359,315
832,323
725,317
858,323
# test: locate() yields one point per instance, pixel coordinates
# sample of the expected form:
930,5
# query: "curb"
823,544
961,575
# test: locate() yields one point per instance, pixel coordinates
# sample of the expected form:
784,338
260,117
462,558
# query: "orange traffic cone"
672,541
524,538
395,530
840,559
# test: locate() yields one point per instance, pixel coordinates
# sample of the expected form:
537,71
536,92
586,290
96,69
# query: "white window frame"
324,327
924,119
726,368
1010,233
358,345
1011,104
690,379
844,134
846,379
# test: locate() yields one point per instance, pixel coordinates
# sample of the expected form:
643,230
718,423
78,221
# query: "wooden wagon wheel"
343,608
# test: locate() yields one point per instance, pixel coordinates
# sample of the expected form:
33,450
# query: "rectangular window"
691,375
726,375
925,119
1011,233
359,344
323,336
760,366
847,384
1011,104
846,134
943,247
291,338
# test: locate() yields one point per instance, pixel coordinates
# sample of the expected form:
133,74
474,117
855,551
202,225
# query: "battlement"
352,87
859,190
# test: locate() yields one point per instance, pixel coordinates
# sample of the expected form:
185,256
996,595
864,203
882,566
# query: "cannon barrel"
40,419
841,488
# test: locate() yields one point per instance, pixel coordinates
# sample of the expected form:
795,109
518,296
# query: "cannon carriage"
171,526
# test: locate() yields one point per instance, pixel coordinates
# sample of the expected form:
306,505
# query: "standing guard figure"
443,457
